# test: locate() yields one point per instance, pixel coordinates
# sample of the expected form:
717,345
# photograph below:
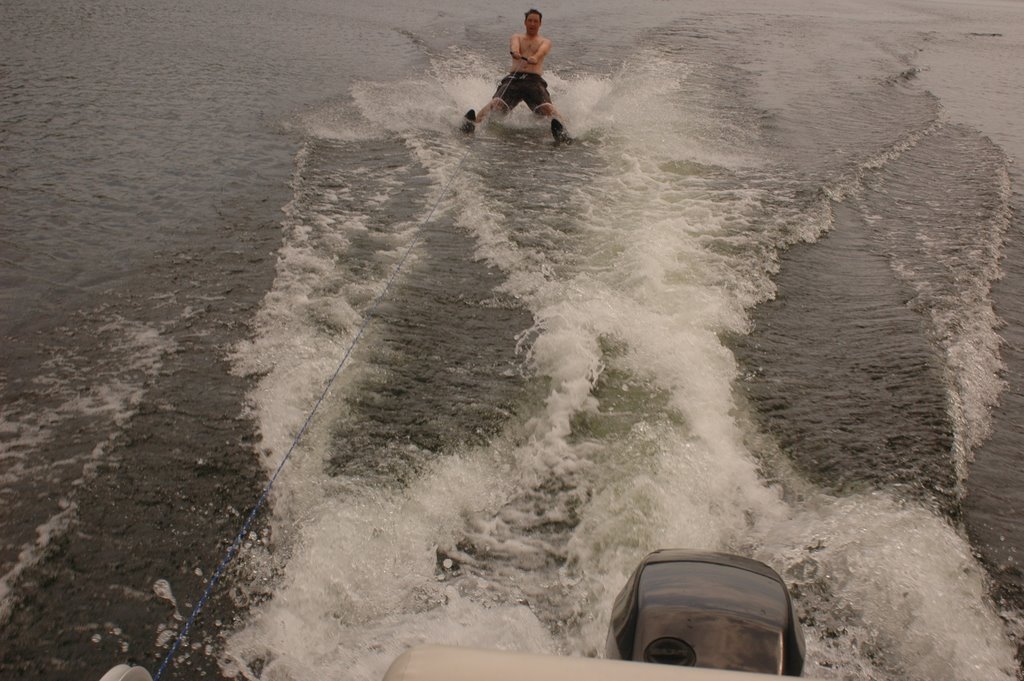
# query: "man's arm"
513,47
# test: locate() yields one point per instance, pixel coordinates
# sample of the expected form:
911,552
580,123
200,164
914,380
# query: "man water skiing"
524,82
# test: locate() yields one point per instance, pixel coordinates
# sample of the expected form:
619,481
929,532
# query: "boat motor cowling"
704,609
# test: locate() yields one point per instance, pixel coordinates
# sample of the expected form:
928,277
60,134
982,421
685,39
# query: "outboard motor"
703,609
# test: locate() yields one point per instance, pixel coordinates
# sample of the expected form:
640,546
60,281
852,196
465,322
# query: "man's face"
532,24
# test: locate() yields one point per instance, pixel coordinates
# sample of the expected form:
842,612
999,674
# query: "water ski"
559,132
469,122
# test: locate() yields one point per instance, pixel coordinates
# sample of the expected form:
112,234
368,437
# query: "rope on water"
233,550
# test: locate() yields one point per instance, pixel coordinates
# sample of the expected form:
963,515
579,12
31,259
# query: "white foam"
308,319
162,589
361,585
894,589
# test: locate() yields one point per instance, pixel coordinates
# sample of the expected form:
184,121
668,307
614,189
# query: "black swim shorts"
523,87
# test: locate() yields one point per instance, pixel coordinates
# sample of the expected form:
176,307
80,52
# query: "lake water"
768,303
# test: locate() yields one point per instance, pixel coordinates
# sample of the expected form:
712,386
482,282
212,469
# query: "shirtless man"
524,82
